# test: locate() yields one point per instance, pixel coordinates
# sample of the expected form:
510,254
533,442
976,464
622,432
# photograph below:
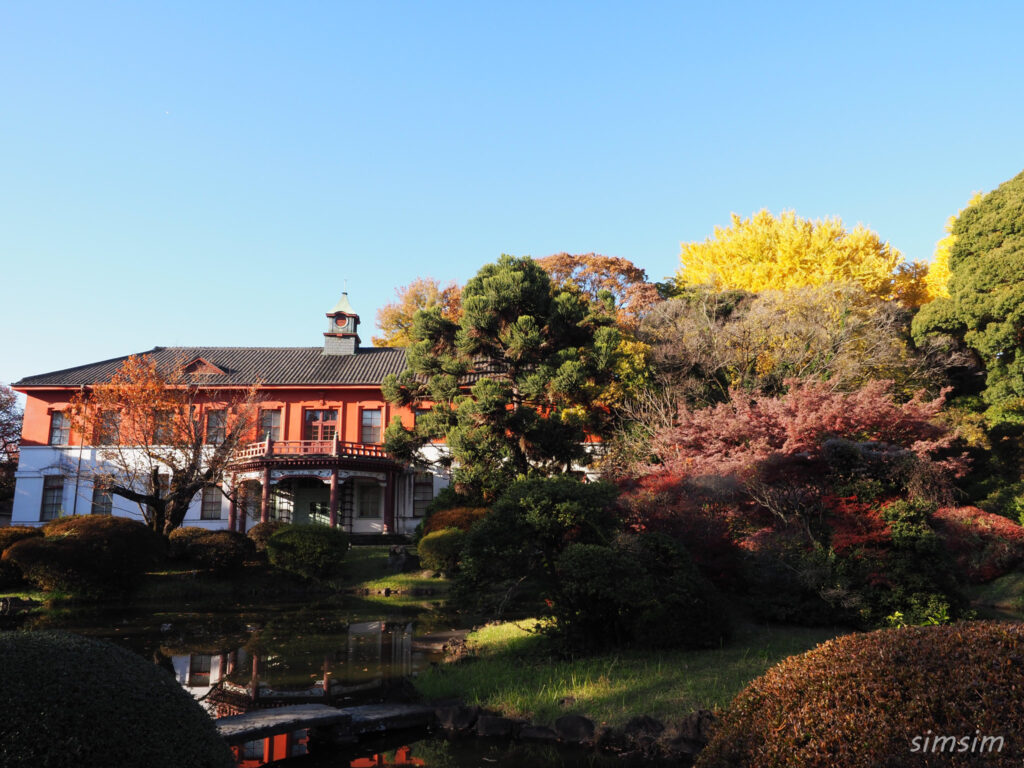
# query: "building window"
53,497
211,506
370,426
253,750
369,501
418,416
270,425
108,428
200,665
60,428
282,504
102,500
163,427
320,512
216,427
422,493
319,425
251,500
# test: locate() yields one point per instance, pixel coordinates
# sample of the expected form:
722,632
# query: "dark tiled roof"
245,365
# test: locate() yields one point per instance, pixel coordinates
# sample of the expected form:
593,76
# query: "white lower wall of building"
78,466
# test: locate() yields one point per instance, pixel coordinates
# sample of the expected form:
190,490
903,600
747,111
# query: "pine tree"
512,385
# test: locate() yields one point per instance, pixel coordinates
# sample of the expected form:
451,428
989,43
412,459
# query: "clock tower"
341,338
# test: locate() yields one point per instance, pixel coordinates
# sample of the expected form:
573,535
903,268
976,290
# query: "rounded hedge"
869,699
441,550
16,533
10,574
260,533
88,556
310,551
218,551
70,700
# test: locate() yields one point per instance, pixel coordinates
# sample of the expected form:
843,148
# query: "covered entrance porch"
320,483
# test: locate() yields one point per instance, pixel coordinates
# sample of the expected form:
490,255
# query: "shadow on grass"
518,674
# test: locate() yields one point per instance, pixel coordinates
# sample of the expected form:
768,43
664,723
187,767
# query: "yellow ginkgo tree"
767,252
937,280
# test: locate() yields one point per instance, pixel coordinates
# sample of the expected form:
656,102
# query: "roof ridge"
90,365
275,365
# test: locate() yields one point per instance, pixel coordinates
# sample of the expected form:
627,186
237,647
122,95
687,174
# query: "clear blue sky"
210,173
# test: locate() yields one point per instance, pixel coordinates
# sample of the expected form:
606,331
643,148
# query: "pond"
352,653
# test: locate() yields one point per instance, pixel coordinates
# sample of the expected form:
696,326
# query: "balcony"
299,449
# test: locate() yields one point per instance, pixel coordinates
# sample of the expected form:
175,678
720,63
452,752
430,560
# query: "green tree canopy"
985,307
511,384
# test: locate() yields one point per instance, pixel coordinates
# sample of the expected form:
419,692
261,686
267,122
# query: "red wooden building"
317,455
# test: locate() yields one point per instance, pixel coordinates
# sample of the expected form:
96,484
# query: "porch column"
233,505
389,503
265,500
334,497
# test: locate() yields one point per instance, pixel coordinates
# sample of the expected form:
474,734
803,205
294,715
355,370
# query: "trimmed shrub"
260,533
985,546
441,550
88,556
218,551
15,533
869,699
512,550
72,700
457,517
10,574
310,551
643,590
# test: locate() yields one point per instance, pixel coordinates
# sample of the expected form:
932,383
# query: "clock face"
341,322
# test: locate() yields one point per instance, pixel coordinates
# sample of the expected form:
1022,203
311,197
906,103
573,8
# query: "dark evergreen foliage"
512,384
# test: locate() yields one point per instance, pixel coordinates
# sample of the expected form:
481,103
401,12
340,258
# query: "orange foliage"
458,517
395,319
163,435
593,273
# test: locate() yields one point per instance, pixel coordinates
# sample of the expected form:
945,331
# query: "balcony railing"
298,448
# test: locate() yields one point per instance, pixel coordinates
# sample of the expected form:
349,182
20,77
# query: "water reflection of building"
401,756
199,672
262,751
256,753
350,666
356,664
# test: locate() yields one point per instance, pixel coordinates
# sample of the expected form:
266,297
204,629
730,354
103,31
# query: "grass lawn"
511,671
366,567
1001,598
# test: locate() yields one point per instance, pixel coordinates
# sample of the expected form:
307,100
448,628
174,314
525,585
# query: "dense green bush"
642,590
866,700
441,550
218,551
69,700
514,548
310,551
88,556
882,563
260,533
10,574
